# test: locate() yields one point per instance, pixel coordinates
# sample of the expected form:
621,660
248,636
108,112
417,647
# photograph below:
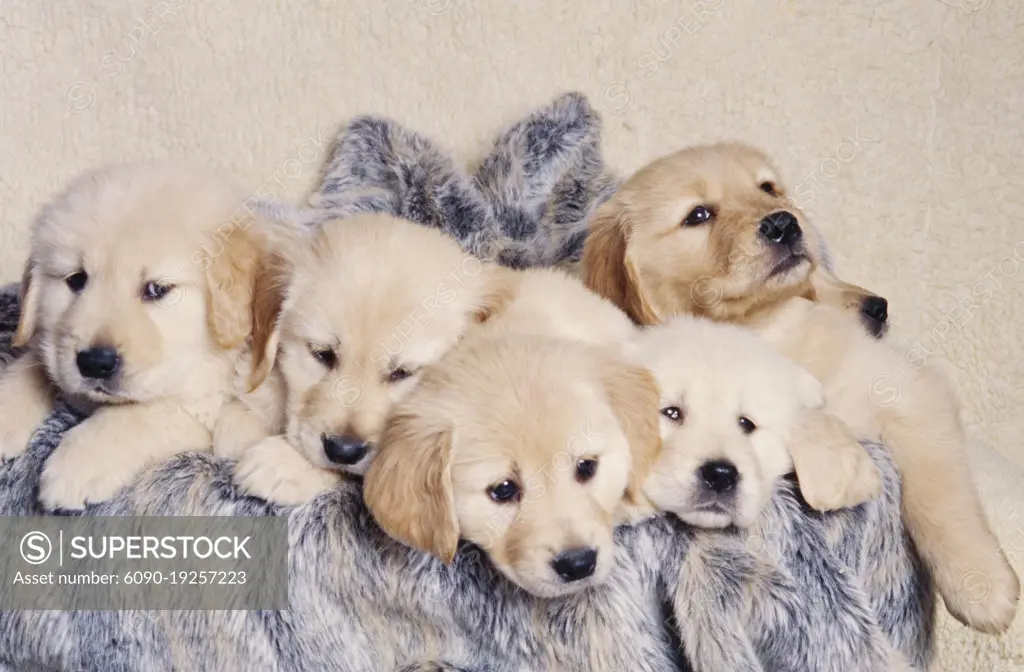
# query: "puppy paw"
982,594
14,437
847,476
273,470
85,468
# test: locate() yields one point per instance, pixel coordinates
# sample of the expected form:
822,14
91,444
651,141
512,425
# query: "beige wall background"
899,124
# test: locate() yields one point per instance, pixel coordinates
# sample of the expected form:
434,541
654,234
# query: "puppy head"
349,315
710,231
732,409
137,275
525,447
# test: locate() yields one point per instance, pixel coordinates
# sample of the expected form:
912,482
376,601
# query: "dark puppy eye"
699,215
747,425
768,188
585,469
401,373
154,291
504,492
76,281
324,355
673,413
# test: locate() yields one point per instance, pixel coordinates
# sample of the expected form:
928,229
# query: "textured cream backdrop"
899,122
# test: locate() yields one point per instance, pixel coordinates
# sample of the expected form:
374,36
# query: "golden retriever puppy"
136,301
345,323
528,447
736,416
708,231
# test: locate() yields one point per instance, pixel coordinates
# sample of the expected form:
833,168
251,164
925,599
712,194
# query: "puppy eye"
768,188
673,413
76,281
699,215
585,469
399,374
154,291
324,355
747,425
504,492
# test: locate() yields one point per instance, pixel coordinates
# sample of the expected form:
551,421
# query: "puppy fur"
736,416
525,446
345,321
654,254
152,266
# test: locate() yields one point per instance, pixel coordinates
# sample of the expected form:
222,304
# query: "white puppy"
136,301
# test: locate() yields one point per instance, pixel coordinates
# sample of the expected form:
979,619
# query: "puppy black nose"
575,564
98,363
345,449
719,475
875,311
780,227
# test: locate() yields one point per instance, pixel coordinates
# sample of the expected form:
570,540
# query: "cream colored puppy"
136,300
345,321
528,447
736,416
710,231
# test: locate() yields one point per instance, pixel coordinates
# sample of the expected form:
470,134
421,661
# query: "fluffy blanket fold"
799,592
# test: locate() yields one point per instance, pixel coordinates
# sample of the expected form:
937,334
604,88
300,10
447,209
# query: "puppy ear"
268,298
29,295
607,269
230,277
833,468
499,289
634,398
408,487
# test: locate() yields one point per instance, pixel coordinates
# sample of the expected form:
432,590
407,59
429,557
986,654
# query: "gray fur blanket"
799,592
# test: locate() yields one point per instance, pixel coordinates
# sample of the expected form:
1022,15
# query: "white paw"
273,470
984,598
14,436
85,468
845,477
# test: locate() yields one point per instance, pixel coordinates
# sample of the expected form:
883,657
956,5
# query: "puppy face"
710,231
730,408
525,447
137,275
351,318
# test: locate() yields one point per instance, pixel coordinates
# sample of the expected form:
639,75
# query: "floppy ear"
499,288
268,298
634,398
230,278
607,269
29,294
833,468
408,487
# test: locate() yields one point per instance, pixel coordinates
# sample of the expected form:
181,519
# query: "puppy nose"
875,310
344,449
780,227
719,475
98,363
575,564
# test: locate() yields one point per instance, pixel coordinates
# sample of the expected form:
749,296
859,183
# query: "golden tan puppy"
916,414
345,323
708,231
136,301
736,416
528,447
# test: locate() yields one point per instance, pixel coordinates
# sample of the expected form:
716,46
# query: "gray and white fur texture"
800,591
